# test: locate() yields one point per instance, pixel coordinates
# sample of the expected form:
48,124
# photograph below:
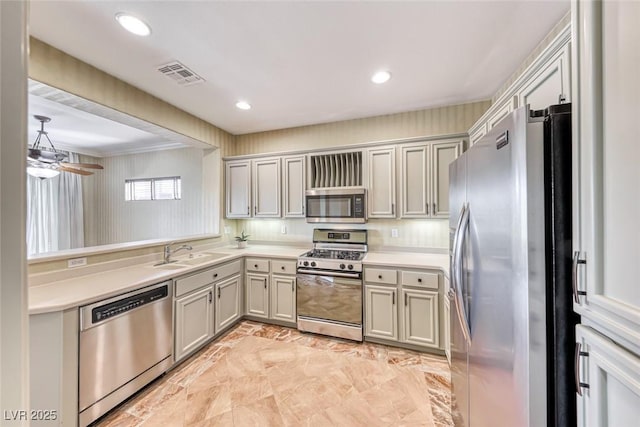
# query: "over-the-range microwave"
336,205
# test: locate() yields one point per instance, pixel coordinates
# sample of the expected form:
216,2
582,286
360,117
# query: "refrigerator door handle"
456,236
457,273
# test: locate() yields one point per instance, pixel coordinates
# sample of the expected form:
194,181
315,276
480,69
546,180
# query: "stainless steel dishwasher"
125,343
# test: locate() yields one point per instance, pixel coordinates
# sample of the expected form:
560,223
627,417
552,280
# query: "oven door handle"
329,273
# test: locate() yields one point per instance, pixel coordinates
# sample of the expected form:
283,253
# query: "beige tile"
263,412
268,375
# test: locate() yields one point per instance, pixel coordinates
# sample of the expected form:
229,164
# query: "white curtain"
55,219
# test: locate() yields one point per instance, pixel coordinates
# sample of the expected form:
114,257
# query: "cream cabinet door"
238,188
381,168
612,375
415,183
193,321
606,175
499,114
266,188
257,295
283,298
444,153
294,186
477,134
420,318
227,302
549,86
381,312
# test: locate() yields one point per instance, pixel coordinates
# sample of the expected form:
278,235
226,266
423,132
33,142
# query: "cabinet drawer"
283,267
420,279
200,279
381,275
258,264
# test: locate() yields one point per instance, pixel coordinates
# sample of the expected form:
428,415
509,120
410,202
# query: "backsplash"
432,234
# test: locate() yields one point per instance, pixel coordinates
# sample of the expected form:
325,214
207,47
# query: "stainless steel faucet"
168,251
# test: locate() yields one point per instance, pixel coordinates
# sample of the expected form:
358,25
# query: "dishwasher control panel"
123,305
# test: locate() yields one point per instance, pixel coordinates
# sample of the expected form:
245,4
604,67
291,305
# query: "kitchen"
390,130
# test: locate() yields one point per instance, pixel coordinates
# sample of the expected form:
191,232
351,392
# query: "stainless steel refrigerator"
512,323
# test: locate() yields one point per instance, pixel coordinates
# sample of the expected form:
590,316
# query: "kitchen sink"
201,258
169,266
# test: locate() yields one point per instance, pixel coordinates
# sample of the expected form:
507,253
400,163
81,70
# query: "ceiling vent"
180,74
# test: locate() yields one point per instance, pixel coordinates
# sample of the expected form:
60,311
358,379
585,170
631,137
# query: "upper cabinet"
238,188
547,81
266,188
382,182
252,188
551,85
424,182
606,174
293,186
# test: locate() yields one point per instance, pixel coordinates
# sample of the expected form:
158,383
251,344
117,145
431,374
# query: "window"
169,188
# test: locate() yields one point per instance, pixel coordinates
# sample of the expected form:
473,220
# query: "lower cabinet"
258,295
283,298
610,379
420,323
271,289
381,312
227,302
403,306
194,321
205,303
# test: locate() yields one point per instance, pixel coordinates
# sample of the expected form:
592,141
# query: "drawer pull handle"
419,280
379,276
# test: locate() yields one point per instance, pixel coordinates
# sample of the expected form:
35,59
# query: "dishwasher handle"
102,311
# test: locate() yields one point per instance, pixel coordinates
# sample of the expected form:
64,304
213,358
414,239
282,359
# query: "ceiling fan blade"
74,170
83,165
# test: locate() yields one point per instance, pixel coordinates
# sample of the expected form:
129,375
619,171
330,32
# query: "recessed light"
132,24
381,77
243,105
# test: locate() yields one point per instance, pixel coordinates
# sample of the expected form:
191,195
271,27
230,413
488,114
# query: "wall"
58,69
414,233
14,329
114,220
434,121
544,43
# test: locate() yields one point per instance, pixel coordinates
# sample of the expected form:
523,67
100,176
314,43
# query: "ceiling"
86,133
301,62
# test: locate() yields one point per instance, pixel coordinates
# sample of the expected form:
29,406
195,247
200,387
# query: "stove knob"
313,263
350,267
342,266
306,263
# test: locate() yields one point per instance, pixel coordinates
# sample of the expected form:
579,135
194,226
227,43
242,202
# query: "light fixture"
243,105
132,24
381,77
42,172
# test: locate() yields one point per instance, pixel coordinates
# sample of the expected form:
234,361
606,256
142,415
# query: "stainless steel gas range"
329,284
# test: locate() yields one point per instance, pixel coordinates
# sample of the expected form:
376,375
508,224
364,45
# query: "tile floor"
266,375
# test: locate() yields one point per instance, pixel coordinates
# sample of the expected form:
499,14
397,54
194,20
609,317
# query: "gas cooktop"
335,254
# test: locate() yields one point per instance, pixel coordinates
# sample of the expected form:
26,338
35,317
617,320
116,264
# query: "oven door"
331,298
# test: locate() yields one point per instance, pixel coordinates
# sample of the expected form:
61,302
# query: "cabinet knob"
419,280
379,276
282,267
215,275
255,265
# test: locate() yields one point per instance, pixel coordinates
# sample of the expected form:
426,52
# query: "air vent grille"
180,74
336,170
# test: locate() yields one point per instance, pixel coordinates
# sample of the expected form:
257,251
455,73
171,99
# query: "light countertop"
77,291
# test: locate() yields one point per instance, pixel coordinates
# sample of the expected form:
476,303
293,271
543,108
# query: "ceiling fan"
47,163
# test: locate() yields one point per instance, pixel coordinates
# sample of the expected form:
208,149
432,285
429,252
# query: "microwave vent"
336,170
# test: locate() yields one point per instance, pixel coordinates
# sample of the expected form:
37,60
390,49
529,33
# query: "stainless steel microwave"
336,205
